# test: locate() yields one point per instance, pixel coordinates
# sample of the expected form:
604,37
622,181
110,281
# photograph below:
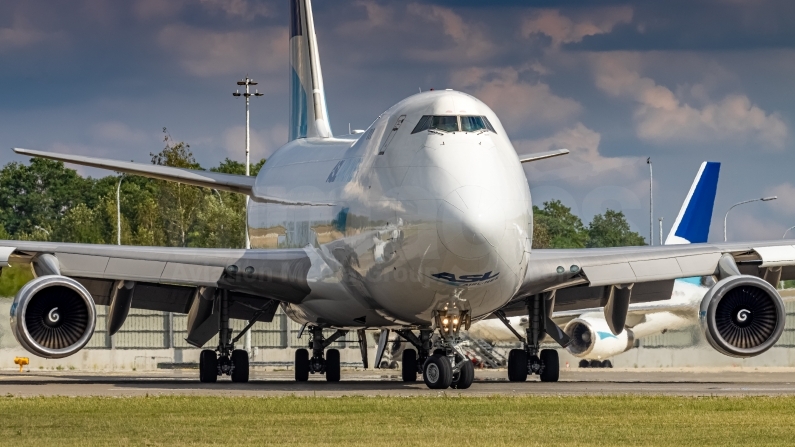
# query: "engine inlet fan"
746,317
742,316
53,316
57,317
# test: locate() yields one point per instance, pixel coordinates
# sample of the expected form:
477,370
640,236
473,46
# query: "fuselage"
406,221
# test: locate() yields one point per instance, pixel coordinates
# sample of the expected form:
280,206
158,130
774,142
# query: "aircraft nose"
471,222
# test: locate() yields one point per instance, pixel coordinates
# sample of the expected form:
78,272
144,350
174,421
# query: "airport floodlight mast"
651,204
247,82
118,210
726,217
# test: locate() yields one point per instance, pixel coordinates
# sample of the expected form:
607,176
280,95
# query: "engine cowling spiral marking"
743,314
54,316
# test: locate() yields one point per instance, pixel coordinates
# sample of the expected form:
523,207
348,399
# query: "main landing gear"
225,360
531,359
444,367
328,365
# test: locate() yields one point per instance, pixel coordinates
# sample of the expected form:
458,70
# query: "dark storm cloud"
705,25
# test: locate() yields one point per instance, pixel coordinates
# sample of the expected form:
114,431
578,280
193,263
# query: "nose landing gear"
442,364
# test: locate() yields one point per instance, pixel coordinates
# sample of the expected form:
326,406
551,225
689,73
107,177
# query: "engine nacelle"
591,338
742,316
53,316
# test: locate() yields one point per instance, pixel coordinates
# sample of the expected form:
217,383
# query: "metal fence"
148,329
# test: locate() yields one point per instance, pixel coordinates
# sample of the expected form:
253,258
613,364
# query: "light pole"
247,82
661,234
725,218
118,210
651,203
785,233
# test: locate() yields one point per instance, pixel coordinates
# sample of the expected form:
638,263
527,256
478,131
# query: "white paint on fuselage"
405,207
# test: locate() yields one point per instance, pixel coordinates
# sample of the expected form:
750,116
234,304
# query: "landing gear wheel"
332,365
607,364
437,372
584,363
409,368
240,366
551,372
208,366
465,377
301,365
596,364
517,365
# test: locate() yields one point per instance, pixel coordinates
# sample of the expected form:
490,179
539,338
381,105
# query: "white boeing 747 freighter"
420,225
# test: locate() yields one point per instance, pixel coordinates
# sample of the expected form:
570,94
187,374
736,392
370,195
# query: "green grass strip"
399,421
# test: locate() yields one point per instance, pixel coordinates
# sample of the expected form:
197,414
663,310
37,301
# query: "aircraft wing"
584,278
166,279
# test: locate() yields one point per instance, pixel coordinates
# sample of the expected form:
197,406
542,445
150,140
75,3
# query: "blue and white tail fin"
308,111
692,224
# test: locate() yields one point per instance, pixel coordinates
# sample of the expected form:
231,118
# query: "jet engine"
591,338
53,316
742,316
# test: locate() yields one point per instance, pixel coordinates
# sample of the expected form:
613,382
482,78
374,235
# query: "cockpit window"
424,124
445,123
488,124
451,123
472,123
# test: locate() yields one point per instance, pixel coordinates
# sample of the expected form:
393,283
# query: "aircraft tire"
208,366
301,365
332,365
240,363
409,367
465,377
595,364
517,365
607,364
551,372
437,372
585,363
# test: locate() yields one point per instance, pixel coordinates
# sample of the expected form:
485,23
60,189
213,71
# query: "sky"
613,81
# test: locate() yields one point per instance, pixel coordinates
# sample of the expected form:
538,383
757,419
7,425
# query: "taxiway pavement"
687,382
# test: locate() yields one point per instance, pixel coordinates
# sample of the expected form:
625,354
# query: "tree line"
554,226
45,201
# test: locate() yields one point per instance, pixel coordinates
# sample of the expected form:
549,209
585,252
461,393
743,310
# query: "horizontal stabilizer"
542,155
224,182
